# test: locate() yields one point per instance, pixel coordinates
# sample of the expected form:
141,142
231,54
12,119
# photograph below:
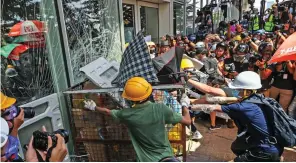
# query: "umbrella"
13,51
26,27
168,65
32,40
136,61
287,51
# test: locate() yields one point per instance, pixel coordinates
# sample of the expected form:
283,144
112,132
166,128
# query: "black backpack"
283,127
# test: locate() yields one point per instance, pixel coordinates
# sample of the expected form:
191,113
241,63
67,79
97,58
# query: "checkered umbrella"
136,61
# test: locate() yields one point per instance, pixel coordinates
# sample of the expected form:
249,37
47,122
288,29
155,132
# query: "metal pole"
240,10
278,13
262,9
185,17
201,4
194,15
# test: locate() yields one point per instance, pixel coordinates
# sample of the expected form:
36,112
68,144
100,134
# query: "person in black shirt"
283,85
238,63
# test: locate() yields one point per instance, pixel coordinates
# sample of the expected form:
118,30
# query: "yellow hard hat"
126,45
6,101
186,63
150,43
137,89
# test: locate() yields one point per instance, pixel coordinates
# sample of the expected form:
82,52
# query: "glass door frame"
138,18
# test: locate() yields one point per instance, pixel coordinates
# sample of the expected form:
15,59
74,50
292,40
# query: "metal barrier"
98,138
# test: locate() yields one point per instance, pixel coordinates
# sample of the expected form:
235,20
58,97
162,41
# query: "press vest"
269,25
255,24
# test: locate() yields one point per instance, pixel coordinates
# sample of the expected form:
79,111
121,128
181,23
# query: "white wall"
165,19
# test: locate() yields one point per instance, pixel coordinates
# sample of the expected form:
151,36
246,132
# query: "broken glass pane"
25,69
93,31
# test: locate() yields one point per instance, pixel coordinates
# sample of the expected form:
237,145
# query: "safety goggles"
10,113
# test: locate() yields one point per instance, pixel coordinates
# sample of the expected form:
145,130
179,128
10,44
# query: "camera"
269,35
244,35
29,112
232,22
278,27
41,141
281,8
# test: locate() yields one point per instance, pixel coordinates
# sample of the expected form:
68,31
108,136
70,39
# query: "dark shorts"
248,153
257,156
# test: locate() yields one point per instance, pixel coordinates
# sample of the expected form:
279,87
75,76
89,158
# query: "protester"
251,144
187,65
146,120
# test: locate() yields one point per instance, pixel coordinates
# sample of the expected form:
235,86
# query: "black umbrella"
168,66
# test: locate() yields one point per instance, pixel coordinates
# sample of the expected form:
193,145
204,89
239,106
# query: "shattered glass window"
25,68
93,31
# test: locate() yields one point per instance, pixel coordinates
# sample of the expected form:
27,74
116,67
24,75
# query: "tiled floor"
215,145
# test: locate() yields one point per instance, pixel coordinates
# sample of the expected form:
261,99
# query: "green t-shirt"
146,125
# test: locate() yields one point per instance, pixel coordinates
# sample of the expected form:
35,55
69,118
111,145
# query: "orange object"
26,27
17,51
287,51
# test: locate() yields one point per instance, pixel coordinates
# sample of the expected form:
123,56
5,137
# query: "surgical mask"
11,150
238,58
235,93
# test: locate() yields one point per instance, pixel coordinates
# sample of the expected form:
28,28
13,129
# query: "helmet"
246,80
150,43
222,45
192,37
213,48
4,132
6,101
137,89
223,24
263,48
186,63
243,48
200,45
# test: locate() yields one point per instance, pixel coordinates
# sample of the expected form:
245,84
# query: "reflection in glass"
93,31
149,22
178,18
129,22
25,72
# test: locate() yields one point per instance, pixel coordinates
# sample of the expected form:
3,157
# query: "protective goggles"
10,113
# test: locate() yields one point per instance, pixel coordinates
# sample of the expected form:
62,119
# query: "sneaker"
215,127
196,136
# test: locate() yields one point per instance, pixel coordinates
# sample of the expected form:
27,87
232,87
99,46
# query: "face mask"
235,93
152,51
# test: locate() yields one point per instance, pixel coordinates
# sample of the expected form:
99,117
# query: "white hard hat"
200,45
246,80
4,132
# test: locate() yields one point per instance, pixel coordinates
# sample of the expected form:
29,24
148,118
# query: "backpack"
283,127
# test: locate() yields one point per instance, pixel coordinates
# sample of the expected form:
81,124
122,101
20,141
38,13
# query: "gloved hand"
185,101
90,104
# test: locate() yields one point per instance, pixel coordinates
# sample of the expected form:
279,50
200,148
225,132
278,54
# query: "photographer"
14,118
238,63
54,153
